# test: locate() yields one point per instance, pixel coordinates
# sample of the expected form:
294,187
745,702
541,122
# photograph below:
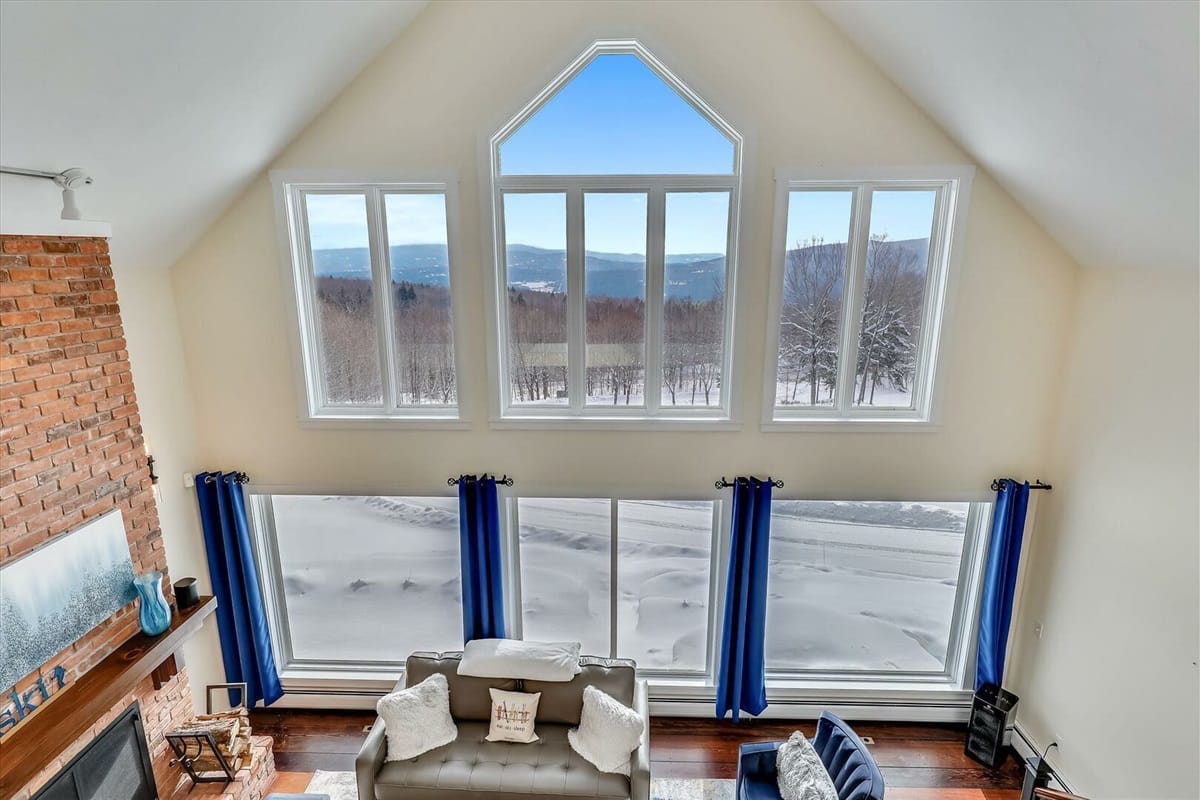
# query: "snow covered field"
852,586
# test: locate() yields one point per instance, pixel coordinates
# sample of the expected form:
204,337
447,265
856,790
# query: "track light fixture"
68,180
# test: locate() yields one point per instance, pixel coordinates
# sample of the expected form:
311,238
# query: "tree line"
423,346
616,353
811,321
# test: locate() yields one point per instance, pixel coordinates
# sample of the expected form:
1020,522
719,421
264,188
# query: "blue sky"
826,215
616,116
340,220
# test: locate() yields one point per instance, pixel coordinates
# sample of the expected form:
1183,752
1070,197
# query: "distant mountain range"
689,276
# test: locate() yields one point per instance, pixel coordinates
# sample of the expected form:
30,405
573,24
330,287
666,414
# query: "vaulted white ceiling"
172,106
1087,112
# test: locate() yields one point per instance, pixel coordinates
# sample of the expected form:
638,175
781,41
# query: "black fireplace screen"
115,766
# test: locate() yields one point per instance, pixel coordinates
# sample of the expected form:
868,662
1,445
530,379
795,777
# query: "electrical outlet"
189,480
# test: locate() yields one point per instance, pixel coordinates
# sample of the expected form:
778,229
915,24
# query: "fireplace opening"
114,766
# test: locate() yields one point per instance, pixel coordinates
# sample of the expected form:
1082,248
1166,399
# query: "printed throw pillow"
417,719
609,731
800,772
513,714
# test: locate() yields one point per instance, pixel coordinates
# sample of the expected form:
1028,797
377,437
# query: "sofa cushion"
469,697
472,768
562,702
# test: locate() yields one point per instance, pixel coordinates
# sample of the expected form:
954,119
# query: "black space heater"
991,712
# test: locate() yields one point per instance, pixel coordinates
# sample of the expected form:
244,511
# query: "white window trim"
680,690
577,414
953,184
289,188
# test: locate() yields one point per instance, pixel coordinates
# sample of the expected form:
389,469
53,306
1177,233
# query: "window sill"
353,421
591,423
849,425
686,697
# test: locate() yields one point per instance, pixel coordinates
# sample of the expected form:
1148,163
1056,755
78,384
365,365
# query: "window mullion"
612,579
576,303
855,297
306,282
935,285
716,589
512,518
381,274
655,289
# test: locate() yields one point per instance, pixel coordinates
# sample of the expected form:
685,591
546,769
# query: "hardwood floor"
919,762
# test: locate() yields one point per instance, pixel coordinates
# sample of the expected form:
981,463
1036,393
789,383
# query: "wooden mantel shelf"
72,710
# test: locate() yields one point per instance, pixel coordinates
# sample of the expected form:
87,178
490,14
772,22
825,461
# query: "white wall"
1112,572
168,415
801,94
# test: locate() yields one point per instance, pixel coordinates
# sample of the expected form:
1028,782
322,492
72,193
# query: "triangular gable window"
617,115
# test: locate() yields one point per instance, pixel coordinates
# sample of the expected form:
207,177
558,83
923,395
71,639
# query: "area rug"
341,786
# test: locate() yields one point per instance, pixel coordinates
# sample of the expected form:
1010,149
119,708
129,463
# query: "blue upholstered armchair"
854,772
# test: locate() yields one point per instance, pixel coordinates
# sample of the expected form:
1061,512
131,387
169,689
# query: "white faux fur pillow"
609,731
417,719
800,773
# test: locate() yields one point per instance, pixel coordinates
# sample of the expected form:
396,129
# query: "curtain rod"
238,477
507,481
1037,484
724,484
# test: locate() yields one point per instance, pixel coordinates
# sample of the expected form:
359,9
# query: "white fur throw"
609,731
417,719
513,658
801,774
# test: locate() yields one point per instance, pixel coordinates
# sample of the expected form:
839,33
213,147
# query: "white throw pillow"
609,731
513,658
513,714
417,719
800,772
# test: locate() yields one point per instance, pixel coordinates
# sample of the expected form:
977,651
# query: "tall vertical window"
370,266
615,194
872,587
358,582
859,288
626,578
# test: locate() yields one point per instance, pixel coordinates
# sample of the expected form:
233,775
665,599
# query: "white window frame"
290,189
953,187
297,673
505,413
511,526
333,677
964,622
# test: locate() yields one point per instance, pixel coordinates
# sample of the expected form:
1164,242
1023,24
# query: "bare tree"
894,294
810,321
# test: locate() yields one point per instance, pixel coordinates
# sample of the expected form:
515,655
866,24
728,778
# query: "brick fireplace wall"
73,447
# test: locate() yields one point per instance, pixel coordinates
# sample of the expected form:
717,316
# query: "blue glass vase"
153,612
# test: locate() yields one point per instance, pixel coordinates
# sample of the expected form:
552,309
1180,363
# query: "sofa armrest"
370,759
639,761
757,760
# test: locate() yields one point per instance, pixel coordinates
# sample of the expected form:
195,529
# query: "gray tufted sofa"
471,768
